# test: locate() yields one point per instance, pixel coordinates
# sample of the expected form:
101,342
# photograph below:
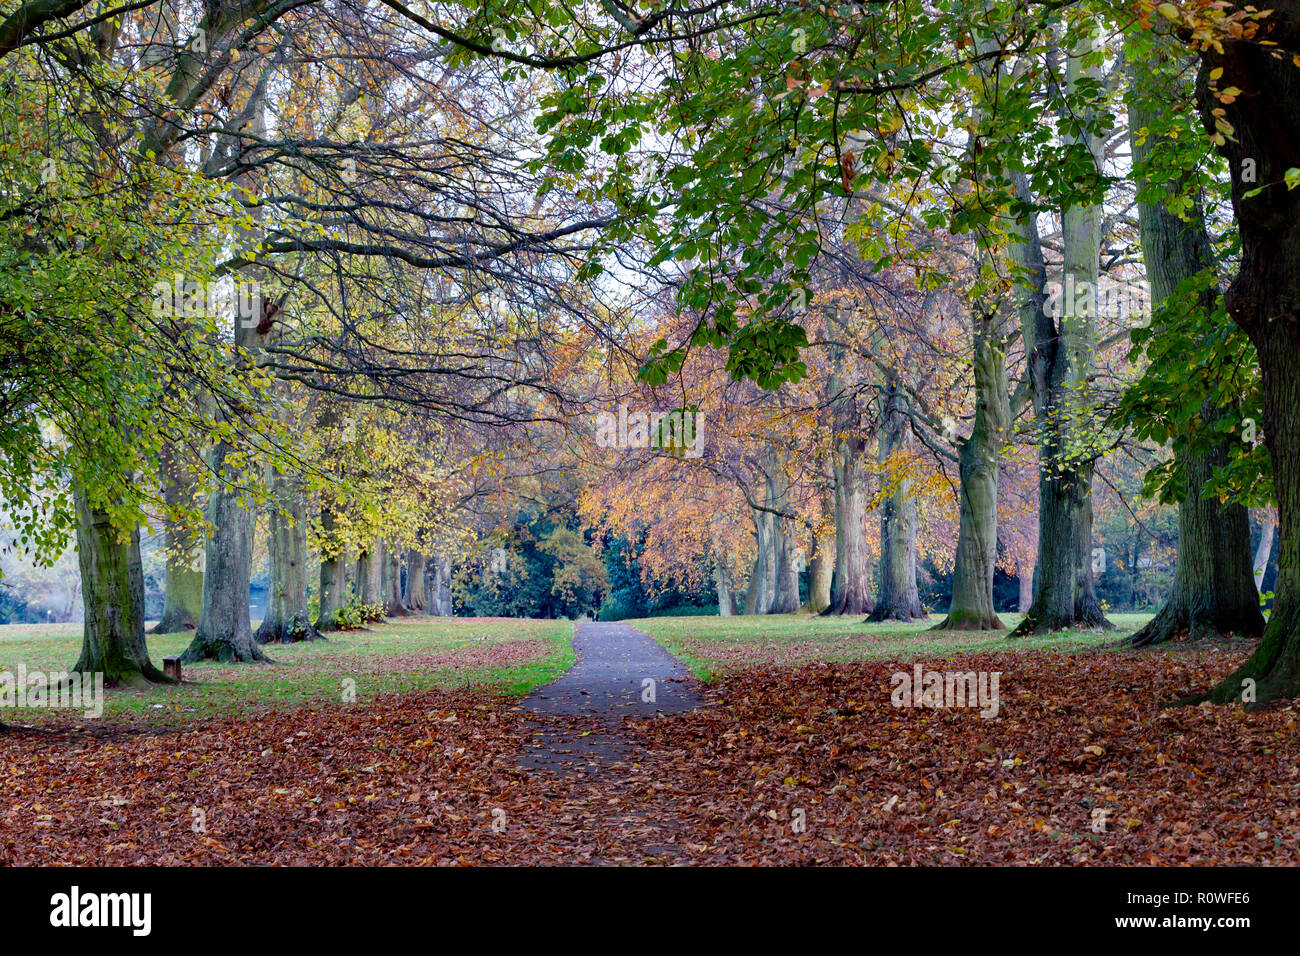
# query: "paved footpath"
577,719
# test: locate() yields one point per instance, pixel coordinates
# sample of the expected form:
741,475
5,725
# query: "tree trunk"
850,591
1025,580
1264,300
183,588
415,597
390,583
368,573
753,587
821,566
722,582
1264,550
112,587
785,575
897,598
224,632
1214,591
441,593
287,619
333,576
971,608
761,591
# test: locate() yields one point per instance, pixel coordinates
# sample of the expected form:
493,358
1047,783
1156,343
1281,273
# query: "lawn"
711,645
509,657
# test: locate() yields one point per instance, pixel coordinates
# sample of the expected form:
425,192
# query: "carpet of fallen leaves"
806,765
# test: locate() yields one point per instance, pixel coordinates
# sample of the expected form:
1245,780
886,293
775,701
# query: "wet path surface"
620,673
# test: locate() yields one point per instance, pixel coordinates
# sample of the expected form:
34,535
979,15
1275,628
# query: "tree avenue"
349,349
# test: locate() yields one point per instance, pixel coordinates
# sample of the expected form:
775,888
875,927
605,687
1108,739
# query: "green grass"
404,656
710,645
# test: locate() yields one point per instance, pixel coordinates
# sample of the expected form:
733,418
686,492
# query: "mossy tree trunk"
112,588
183,587
368,573
333,576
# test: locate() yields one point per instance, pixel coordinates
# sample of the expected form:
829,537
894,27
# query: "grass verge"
711,645
509,657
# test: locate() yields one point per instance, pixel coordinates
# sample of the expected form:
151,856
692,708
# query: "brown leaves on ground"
812,765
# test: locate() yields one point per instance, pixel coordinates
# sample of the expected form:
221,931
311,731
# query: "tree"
112,577
897,598
1249,99
1214,591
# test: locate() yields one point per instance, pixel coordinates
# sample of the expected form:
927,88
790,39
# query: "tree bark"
1264,300
390,582
333,575
761,591
785,592
1264,550
287,618
183,588
224,632
897,598
1025,581
112,587
821,566
1214,588
369,563
851,588
722,582
415,596
971,608
441,593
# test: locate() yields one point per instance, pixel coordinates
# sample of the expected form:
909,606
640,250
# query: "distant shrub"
354,614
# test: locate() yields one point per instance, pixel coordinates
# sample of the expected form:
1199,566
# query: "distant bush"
354,614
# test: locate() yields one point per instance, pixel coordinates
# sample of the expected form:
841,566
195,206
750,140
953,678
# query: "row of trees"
866,241
266,258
